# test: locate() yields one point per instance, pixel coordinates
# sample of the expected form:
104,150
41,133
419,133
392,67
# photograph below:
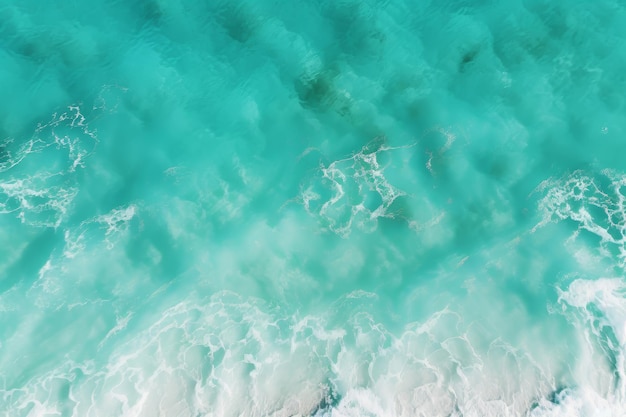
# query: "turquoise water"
314,208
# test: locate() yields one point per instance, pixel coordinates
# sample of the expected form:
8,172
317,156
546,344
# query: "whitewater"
313,208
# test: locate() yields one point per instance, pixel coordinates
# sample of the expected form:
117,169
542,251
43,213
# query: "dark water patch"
494,164
238,20
149,11
317,91
467,58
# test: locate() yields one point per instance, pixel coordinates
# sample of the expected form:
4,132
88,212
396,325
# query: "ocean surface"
328,208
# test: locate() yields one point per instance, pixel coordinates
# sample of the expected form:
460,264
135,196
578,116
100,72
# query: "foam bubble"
108,228
353,192
37,200
39,180
230,355
596,205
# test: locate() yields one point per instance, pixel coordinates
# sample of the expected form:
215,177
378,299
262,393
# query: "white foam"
593,207
597,308
115,225
235,356
577,403
39,185
117,219
348,183
608,294
36,200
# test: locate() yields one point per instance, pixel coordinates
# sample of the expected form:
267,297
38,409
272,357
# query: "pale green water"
329,208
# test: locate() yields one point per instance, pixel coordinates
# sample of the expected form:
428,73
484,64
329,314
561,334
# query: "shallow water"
318,208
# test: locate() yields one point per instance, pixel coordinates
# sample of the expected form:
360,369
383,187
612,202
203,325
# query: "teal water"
314,208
